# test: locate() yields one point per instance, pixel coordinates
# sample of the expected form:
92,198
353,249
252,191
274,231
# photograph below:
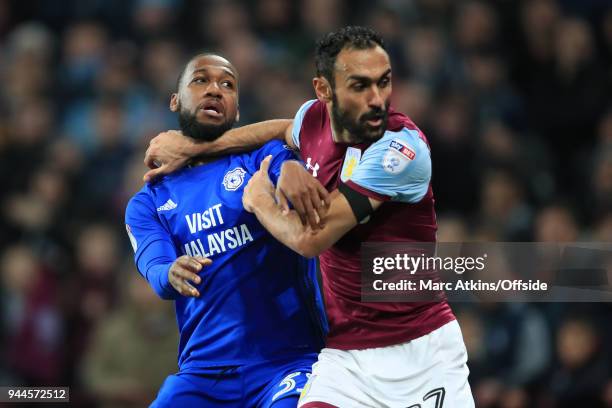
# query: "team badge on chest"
233,179
351,160
397,157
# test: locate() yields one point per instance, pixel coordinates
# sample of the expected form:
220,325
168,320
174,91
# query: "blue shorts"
262,385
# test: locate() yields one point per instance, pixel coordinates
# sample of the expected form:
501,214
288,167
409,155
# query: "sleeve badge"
397,156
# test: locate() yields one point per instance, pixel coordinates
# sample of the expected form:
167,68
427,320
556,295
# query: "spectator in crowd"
133,348
581,373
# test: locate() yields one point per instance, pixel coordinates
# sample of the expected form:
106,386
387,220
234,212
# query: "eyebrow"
226,70
368,79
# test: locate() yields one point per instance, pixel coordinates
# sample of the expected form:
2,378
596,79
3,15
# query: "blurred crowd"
514,96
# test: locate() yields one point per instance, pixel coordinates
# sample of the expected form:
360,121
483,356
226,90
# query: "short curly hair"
331,44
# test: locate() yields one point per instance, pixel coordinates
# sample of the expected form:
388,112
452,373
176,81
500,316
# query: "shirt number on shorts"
288,383
437,393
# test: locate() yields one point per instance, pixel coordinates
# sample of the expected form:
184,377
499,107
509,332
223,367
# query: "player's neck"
199,160
340,136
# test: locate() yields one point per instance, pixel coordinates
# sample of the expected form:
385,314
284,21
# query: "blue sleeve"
153,247
396,167
280,153
297,121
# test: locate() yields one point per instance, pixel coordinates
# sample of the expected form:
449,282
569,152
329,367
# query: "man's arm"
171,150
396,167
342,216
155,254
289,229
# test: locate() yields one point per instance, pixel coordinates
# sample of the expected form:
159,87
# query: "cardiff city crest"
233,179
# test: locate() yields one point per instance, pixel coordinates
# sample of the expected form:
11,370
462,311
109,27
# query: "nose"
375,99
213,89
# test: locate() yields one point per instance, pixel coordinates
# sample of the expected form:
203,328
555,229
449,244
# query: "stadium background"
515,97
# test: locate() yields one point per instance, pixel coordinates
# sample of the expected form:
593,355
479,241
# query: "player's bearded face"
356,125
190,126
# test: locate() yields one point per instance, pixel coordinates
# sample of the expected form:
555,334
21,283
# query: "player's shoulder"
311,105
273,147
312,113
401,153
310,119
146,193
274,144
406,141
165,182
141,201
316,109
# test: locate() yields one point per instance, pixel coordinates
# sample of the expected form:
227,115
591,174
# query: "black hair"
331,44
199,55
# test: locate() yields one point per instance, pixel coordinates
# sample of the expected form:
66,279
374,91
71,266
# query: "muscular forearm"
286,228
289,230
171,150
245,138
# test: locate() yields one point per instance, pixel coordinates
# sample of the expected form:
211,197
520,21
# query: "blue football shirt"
258,300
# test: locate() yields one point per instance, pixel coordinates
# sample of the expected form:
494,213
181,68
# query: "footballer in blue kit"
248,308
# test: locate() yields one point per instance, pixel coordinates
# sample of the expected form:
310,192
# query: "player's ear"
174,102
322,89
237,113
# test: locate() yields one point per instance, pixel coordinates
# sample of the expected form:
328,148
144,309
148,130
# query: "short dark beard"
359,131
190,126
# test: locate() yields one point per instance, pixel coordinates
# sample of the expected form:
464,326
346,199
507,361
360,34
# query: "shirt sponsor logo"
214,241
233,179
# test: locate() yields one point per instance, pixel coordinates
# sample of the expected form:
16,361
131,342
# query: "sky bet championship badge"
398,156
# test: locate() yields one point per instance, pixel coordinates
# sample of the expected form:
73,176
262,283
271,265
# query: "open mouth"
374,119
212,108
374,122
